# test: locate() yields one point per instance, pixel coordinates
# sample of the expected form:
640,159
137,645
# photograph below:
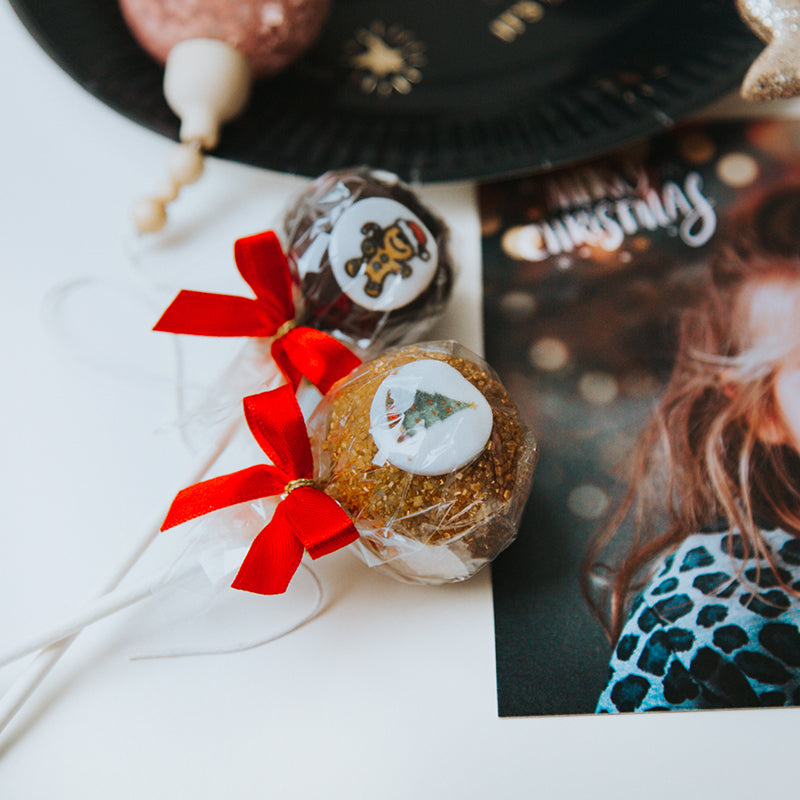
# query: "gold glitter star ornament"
776,72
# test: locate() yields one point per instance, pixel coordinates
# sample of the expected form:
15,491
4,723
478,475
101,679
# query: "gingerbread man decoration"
387,251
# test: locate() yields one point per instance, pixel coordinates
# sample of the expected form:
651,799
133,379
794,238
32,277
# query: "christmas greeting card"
642,310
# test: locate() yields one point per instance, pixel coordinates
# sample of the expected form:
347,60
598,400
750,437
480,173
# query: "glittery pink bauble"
269,33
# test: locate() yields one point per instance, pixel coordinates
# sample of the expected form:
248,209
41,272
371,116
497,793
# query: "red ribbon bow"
305,518
298,351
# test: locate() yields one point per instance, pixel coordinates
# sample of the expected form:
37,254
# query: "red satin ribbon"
305,519
300,352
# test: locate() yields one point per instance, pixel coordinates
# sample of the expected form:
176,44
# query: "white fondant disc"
382,255
428,419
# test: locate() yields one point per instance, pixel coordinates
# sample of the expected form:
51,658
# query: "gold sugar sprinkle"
430,509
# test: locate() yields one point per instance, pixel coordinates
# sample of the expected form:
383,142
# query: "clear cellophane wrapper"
311,234
197,612
426,529
251,371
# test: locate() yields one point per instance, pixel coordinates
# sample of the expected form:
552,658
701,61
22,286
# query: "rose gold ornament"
270,34
212,50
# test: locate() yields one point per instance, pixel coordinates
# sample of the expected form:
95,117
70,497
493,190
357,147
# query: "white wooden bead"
186,163
168,191
206,83
149,215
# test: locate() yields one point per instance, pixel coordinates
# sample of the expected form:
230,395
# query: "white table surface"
390,693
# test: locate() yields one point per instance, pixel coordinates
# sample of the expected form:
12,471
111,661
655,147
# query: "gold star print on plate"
776,72
385,59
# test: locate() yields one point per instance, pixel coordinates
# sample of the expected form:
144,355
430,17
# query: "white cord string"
103,606
111,602
54,316
317,606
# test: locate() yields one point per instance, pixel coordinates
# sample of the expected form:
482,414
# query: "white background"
390,693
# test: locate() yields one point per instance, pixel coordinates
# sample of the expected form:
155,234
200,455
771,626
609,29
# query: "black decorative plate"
479,88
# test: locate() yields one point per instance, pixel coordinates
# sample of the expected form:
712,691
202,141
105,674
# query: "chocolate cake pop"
373,264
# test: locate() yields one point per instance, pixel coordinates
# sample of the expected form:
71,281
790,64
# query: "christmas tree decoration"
426,410
776,72
212,51
372,262
428,419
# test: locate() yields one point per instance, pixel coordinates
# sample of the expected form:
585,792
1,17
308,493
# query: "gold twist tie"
296,484
287,326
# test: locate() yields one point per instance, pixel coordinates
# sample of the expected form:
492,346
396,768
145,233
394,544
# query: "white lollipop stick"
108,604
206,83
25,685
98,609
21,690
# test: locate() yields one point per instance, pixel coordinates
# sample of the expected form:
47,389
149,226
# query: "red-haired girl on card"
704,606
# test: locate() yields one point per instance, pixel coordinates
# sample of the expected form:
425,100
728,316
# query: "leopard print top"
712,631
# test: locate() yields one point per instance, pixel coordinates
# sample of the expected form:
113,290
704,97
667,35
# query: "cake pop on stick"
212,51
418,460
367,260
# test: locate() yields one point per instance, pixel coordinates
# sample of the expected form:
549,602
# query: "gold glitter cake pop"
426,452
